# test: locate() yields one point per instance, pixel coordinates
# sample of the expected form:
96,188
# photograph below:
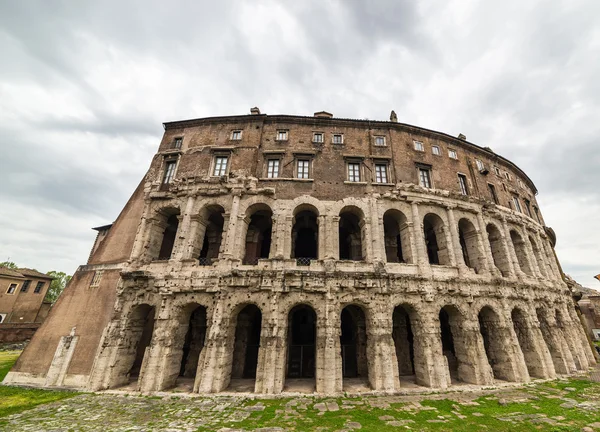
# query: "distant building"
22,306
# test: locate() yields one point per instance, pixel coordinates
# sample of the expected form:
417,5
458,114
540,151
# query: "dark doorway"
302,333
141,327
247,342
193,343
448,343
353,341
403,341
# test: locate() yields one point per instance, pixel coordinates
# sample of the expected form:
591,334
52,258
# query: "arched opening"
525,337
192,343
435,240
553,342
140,328
498,251
305,236
397,237
163,234
455,346
538,257
258,236
521,251
403,343
353,341
247,342
493,333
570,342
351,234
469,245
302,335
212,236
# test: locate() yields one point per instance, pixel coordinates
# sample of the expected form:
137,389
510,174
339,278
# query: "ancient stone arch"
468,236
498,248
397,237
434,231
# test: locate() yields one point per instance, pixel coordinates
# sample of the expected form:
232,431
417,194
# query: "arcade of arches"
427,347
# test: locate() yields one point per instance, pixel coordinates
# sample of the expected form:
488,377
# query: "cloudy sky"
85,87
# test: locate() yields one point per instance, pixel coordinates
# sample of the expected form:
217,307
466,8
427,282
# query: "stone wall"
15,332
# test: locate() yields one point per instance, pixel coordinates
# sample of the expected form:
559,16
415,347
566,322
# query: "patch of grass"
17,399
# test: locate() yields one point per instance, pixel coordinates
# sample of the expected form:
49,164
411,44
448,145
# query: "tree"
61,279
9,264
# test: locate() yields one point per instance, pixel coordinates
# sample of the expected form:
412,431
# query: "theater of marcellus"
278,253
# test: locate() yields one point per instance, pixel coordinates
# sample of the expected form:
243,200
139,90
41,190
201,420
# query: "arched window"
403,341
435,240
305,236
258,235
498,251
163,233
140,329
194,323
351,234
397,237
521,251
468,238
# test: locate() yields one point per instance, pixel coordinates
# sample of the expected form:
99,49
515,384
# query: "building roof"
22,273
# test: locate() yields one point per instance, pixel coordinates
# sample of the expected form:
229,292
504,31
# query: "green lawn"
16,399
561,405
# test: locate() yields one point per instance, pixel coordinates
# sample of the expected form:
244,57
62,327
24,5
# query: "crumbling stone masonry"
279,250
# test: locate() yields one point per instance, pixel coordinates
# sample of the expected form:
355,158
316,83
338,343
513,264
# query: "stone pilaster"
513,263
431,367
418,240
453,241
381,354
229,246
328,351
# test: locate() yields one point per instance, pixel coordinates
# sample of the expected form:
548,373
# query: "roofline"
306,119
103,227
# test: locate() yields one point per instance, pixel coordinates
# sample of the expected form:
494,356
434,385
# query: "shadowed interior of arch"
140,329
397,237
213,235
494,338
527,343
498,251
353,342
305,235
247,342
403,342
193,341
521,252
162,242
350,235
258,236
553,338
301,340
435,240
467,235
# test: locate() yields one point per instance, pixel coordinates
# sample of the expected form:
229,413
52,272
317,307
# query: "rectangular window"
436,150
507,175
527,207
303,169
169,171
504,187
452,154
381,173
537,214
425,177
96,279
25,286
497,171
419,146
493,193
480,165
317,137
38,287
177,143
282,135
462,181
380,140
11,288
236,135
273,168
353,171
338,139
517,203
220,166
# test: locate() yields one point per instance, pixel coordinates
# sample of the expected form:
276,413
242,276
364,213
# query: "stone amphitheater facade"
284,252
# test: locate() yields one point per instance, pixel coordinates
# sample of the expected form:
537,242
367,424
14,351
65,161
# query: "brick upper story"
330,145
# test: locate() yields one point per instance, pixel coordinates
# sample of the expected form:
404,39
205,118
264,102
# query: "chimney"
323,114
393,117
462,137
254,111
